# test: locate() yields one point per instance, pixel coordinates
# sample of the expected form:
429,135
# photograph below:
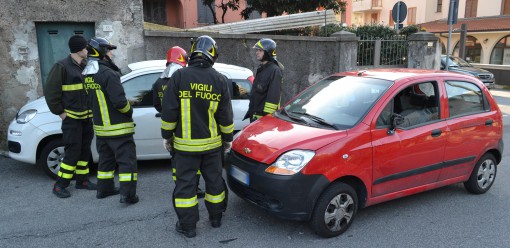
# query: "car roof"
234,71
394,74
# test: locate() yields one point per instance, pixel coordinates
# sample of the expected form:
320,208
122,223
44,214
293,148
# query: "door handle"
489,122
436,133
158,115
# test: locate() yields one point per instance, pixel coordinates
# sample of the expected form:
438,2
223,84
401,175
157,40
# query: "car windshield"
336,102
456,61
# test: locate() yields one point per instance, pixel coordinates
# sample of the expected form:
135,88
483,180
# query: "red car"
356,139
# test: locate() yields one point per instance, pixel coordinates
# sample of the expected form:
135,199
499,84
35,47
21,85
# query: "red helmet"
177,55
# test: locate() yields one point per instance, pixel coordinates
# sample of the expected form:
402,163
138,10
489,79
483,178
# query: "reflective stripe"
114,130
270,107
78,115
199,173
213,129
186,118
82,163
105,174
82,171
65,175
125,109
196,145
127,177
215,198
169,126
103,108
71,87
67,167
186,203
227,129
256,117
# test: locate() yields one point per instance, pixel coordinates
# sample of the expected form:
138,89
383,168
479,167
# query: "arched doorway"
473,49
174,12
501,52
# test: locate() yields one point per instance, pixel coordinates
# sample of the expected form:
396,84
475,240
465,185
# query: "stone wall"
20,77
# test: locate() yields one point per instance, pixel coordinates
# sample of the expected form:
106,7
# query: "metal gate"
52,38
382,53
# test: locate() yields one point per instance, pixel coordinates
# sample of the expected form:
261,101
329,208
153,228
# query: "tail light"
251,78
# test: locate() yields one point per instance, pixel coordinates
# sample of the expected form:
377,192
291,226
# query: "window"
465,98
439,6
411,16
391,22
241,89
139,89
416,104
204,13
471,8
473,49
374,17
501,52
155,11
505,7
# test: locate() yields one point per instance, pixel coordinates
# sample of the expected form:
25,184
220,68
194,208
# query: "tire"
483,176
335,210
50,158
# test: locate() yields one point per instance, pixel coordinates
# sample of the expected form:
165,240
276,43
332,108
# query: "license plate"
240,175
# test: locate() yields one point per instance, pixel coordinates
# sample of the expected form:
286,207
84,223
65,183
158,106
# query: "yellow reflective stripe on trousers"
215,198
227,129
103,108
78,115
71,87
127,177
169,126
65,175
213,129
197,145
186,118
67,167
114,130
105,174
81,168
186,203
270,107
125,109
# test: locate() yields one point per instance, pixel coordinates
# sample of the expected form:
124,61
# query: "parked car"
356,139
34,136
459,65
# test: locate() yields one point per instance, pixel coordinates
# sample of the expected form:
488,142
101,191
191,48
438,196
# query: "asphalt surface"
31,216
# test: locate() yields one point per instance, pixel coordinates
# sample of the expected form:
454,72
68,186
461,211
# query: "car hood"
39,105
468,70
269,137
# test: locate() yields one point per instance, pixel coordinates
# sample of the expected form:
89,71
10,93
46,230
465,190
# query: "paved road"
30,216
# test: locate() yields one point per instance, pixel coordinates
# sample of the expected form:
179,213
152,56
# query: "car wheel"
335,210
50,158
483,175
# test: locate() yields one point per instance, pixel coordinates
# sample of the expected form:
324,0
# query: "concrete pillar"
424,51
347,47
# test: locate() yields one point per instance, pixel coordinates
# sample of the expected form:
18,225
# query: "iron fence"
376,52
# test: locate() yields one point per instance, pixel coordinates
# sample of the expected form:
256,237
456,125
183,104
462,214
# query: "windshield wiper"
316,119
284,111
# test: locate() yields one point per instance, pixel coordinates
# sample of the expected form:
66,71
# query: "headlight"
26,116
291,162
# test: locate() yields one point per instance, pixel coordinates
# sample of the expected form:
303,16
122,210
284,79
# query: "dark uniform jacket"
64,90
197,111
265,94
112,111
158,88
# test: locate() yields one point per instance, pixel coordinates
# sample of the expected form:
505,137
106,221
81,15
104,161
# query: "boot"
60,191
103,194
189,232
215,220
129,199
86,185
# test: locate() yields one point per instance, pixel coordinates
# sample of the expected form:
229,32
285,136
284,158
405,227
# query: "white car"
35,135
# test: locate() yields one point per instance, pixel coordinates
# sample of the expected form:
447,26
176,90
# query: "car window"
465,98
338,101
139,89
417,104
241,89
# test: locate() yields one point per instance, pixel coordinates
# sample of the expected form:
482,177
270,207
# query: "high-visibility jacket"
64,90
266,90
197,111
112,111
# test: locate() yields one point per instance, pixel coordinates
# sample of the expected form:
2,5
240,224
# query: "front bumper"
288,197
22,140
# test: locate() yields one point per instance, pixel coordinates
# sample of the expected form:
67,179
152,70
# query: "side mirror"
396,120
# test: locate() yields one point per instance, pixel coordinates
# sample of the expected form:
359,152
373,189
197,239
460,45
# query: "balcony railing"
367,5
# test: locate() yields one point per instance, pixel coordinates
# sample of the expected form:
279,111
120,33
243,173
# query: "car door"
138,88
472,124
411,155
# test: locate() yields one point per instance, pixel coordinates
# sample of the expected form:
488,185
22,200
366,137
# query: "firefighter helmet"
205,46
98,47
177,55
269,47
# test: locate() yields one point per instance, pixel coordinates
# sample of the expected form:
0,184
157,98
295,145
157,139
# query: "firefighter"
66,97
113,123
197,122
176,58
265,96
